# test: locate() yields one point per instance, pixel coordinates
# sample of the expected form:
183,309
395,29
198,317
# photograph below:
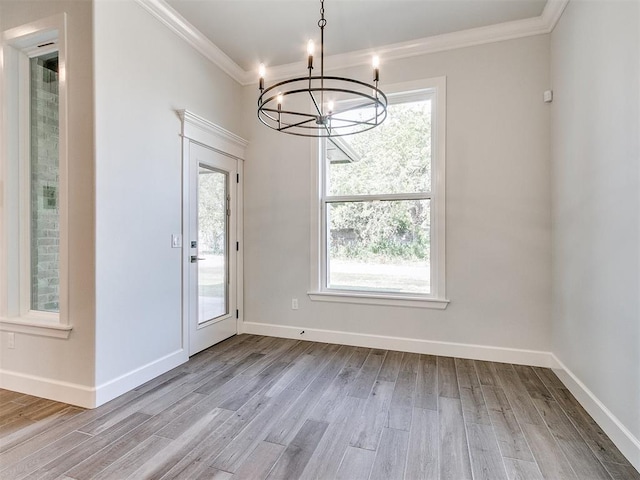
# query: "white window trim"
18,46
437,299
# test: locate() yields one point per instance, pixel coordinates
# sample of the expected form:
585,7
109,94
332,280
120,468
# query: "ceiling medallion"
335,106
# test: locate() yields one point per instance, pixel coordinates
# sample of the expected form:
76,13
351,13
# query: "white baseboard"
448,349
130,380
65,392
626,442
84,396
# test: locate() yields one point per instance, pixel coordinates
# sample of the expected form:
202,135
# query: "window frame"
435,88
19,45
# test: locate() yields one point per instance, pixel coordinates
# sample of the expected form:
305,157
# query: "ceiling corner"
181,27
552,13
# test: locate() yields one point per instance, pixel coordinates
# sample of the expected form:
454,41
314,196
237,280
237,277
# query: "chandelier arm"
348,119
263,114
315,103
356,107
347,123
373,124
293,125
290,112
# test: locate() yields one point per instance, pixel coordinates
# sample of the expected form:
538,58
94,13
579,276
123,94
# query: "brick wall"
45,229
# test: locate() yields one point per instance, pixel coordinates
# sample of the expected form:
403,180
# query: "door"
212,247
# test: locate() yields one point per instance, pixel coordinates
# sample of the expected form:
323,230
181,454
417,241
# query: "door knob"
195,258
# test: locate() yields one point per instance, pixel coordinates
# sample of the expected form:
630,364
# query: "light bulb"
330,106
261,72
310,48
279,99
376,68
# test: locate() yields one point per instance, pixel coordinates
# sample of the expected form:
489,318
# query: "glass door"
212,263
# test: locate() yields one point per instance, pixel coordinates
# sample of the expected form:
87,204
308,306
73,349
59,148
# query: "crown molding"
181,27
540,25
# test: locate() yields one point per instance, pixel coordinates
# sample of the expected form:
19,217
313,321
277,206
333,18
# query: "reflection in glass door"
213,262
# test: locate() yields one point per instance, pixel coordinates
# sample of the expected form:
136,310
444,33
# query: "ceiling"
276,32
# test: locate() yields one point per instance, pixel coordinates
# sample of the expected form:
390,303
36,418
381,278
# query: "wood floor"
258,407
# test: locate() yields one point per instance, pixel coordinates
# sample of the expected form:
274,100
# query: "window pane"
392,158
379,246
45,225
212,241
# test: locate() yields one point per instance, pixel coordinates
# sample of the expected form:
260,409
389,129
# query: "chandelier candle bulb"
310,49
376,68
279,100
330,107
261,72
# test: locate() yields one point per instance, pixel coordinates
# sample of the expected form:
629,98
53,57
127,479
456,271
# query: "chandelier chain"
322,22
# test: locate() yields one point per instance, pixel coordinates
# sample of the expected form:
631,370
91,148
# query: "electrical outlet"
11,340
294,304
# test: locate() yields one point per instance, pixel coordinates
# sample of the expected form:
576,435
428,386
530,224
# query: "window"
44,215
381,206
34,172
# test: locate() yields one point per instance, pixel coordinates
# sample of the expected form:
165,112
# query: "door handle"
195,258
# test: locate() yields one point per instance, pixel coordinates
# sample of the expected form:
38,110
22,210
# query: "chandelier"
306,106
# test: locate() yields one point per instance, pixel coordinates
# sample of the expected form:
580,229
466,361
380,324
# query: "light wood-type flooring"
259,407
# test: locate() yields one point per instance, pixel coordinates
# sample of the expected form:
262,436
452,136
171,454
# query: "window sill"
379,299
34,325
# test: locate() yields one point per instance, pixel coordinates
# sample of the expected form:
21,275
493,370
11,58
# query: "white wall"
144,72
498,208
49,366
596,202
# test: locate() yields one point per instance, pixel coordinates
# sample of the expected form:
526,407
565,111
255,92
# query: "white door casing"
212,152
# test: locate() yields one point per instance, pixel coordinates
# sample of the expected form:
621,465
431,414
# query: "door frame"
196,129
